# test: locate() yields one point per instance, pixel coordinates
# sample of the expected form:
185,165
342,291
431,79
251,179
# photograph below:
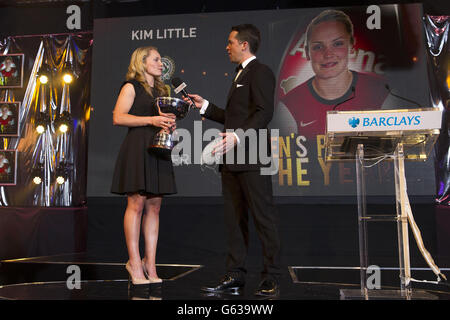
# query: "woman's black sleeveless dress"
137,170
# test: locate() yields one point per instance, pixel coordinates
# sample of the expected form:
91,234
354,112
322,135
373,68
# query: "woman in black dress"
143,177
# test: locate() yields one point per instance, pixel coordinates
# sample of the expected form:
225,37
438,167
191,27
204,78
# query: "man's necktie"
238,70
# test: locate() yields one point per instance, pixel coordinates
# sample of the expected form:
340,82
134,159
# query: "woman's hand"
165,121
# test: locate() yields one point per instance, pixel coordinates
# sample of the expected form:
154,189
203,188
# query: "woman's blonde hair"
136,71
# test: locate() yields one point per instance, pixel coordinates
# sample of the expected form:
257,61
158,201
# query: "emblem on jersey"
168,68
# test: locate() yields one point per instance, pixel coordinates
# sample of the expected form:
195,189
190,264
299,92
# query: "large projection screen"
388,55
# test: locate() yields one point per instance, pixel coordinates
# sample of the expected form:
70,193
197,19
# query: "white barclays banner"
384,120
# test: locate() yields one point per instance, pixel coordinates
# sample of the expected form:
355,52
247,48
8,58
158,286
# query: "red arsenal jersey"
309,109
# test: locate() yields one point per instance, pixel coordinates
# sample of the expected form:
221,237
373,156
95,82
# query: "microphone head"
176,82
179,86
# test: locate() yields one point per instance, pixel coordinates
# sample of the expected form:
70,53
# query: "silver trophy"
162,142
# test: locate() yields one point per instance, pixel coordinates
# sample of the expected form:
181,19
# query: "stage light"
60,180
37,180
63,122
63,128
36,174
40,129
41,122
67,78
68,74
43,79
62,172
44,73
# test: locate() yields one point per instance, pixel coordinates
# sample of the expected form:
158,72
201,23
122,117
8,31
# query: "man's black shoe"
227,284
268,288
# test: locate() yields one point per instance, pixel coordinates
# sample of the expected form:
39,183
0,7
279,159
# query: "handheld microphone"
353,95
179,86
400,97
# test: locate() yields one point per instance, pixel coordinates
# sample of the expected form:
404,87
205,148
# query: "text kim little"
165,33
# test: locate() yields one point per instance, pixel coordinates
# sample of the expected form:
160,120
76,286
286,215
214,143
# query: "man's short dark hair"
249,33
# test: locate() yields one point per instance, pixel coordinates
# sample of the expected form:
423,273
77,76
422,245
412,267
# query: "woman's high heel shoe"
151,279
134,281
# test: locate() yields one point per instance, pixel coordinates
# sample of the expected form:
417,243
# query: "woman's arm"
121,117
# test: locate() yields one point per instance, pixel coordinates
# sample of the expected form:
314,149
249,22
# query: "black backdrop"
22,17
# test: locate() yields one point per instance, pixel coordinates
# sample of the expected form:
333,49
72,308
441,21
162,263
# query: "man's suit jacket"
249,106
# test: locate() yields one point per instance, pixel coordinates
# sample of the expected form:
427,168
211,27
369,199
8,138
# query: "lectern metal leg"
362,221
402,221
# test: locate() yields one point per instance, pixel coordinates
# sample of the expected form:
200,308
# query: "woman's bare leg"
150,228
132,226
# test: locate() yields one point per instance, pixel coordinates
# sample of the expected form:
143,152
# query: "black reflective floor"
320,256
52,278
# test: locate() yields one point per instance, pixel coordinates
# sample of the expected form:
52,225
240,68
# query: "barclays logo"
353,122
412,120
393,121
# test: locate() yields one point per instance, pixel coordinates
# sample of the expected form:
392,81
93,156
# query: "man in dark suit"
250,108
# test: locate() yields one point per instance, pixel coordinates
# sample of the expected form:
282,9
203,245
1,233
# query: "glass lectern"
380,135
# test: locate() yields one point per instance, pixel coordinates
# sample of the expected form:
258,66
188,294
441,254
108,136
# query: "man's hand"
226,144
198,100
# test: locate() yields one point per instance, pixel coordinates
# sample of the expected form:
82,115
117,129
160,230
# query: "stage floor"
50,278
